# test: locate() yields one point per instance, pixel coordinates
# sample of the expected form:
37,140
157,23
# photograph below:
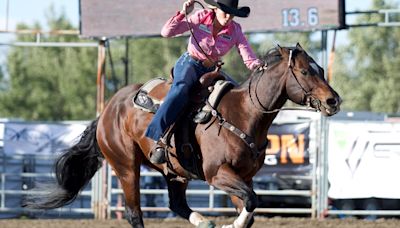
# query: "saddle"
180,137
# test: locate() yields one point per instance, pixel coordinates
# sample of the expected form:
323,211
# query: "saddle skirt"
180,137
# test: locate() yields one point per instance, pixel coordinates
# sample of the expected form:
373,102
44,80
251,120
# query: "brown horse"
229,159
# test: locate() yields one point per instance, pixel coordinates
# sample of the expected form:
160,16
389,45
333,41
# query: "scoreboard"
133,18
293,15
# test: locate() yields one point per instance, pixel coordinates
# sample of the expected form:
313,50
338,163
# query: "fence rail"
103,198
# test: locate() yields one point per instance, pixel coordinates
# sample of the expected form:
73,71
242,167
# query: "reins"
249,140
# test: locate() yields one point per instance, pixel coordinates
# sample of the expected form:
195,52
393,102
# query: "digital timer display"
293,15
134,18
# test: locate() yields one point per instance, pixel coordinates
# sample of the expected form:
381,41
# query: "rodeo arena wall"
314,167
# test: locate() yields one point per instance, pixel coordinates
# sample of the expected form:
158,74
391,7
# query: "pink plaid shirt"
202,23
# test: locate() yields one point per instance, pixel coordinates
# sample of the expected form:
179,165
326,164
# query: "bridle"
249,140
311,103
308,99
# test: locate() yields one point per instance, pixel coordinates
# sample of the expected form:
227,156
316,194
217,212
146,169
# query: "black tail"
73,170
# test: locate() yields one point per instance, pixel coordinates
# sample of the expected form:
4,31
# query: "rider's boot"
158,153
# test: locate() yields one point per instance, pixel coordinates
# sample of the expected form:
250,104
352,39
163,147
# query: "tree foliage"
50,83
366,72
53,83
59,83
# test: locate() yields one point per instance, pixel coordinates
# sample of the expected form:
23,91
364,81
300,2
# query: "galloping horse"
228,161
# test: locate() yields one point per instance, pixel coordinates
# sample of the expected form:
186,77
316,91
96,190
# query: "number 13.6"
291,17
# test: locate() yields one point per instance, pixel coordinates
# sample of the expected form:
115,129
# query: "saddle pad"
143,101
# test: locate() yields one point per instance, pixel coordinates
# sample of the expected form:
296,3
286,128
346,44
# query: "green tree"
234,66
366,71
290,39
155,57
53,83
50,83
3,80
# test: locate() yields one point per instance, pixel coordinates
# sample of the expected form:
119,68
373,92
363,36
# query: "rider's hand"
187,7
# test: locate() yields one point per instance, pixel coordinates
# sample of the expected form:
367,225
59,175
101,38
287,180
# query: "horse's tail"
73,171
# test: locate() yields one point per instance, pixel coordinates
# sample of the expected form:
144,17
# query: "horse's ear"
280,49
299,47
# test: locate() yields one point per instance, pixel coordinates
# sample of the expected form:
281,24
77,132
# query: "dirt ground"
275,222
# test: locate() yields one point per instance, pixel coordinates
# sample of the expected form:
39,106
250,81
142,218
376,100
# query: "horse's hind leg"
130,185
178,204
128,172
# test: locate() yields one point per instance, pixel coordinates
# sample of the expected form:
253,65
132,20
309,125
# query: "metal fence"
17,177
103,197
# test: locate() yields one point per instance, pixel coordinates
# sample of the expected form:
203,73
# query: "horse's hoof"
206,224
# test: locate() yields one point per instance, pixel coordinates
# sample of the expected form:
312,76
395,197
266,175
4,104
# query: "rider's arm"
177,24
246,52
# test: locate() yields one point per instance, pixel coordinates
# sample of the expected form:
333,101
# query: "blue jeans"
187,72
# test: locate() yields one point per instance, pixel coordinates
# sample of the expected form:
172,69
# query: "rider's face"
222,17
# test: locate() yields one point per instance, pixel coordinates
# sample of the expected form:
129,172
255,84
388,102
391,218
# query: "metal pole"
99,180
7,13
323,151
314,130
100,76
126,61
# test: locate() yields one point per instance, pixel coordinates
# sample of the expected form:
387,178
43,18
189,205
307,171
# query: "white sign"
34,138
364,160
1,134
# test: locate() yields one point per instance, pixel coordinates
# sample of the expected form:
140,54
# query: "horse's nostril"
332,102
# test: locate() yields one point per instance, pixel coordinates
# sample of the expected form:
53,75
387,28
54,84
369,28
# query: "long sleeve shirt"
215,47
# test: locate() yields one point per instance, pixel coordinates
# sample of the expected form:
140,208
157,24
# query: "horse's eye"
304,72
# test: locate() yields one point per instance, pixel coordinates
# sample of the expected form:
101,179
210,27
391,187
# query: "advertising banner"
287,163
288,144
40,138
364,160
1,134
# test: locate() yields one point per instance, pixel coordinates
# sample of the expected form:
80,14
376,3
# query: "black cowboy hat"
230,7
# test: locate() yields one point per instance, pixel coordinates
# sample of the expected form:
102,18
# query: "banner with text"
40,138
364,160
288,145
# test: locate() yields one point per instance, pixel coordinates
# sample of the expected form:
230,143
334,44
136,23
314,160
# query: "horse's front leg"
239,205
178,204
242,194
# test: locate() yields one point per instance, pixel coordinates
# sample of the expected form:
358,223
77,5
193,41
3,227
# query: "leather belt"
206,62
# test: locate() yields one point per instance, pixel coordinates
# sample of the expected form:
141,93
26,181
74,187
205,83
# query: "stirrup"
158,155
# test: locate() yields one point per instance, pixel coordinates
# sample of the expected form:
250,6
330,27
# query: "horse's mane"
273,56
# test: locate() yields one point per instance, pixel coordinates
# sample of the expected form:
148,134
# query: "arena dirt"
275,222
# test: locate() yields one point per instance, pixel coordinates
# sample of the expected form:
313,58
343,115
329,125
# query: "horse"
231,155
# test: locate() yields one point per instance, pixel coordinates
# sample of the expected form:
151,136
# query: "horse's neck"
269,95
244,109
268,90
